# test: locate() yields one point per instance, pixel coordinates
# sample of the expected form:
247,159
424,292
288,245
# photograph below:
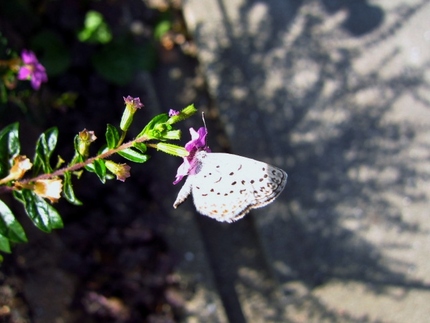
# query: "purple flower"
32,70
198,140
196,144
173,113
131,106
122,171
133,103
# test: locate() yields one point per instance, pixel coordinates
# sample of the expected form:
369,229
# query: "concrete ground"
337,94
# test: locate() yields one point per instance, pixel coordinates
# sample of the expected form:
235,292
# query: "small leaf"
95,29
76,144
44,148
51,136
162,27
9,226
161,118
4,245
9,147
77,158
68,192
11,133
43,215
133,155
112,136
140,146
90,168
100,169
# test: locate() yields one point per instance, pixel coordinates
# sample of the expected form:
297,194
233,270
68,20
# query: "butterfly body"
226,186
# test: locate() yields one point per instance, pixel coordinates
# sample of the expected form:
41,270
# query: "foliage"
39,191
95,29
38,182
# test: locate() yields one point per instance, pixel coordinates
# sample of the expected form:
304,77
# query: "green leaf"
158,119
76,144
44,148
112,136
43,214
140,146
4,245
90,168
9,226
100,169
133,155
68,191
162,28
9,147
95,29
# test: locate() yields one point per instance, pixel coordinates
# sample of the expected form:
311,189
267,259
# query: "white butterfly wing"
226,187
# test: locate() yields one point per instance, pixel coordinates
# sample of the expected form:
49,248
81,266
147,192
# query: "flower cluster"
46,188
32,70
38,191
197,143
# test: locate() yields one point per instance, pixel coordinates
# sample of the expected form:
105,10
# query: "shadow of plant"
291,90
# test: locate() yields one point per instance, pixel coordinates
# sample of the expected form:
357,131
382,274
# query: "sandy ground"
335,93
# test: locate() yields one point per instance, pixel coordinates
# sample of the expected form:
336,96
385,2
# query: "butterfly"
226,187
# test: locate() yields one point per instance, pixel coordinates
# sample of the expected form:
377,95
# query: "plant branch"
77,166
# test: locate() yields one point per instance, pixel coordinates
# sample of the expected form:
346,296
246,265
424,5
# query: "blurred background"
334,92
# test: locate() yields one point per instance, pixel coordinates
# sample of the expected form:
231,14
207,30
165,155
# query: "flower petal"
28,57
24,73
182,171
49,188
198,139
32,70
173,113
197,143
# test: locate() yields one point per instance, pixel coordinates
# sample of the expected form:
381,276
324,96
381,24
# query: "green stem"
122,137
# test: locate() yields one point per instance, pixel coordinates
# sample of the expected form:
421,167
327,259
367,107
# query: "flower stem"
122,137
74,167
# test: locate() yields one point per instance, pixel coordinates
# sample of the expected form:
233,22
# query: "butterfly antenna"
204,121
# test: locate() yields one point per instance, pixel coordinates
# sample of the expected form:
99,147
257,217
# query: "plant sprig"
47,184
